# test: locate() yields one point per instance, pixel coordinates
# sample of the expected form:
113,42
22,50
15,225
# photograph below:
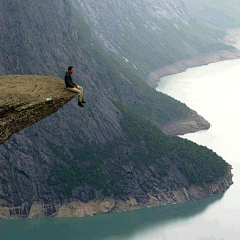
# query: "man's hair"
70,68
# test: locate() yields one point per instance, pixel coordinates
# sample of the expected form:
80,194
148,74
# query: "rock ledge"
26,99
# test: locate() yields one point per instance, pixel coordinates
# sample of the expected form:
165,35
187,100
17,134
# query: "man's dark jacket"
68,80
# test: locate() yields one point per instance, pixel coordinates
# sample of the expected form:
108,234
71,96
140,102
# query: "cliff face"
109,149
35,43
45,41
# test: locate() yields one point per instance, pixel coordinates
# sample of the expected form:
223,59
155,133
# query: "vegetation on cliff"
100,171
109,148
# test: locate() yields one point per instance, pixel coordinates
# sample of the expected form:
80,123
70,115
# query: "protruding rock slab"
26,99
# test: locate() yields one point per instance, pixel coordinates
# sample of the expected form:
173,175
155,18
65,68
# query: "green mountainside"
111,147
146,151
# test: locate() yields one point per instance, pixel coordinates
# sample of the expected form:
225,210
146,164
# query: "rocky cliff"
27,99
143,168
113,148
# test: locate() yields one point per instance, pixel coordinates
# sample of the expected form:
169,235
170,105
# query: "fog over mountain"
112,150
152,34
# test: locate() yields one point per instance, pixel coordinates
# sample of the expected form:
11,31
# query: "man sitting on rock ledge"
71,86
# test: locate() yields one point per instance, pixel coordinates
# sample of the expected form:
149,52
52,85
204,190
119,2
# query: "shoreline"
182,65
194,122
191,124
76,208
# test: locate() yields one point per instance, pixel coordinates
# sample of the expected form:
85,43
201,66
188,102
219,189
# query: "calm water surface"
214,92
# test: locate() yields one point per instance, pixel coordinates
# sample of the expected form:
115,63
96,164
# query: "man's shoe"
83,101
80,104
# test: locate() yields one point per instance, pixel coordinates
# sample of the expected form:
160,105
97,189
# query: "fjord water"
214,92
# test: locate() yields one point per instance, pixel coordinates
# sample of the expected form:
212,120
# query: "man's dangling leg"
79,93
81,89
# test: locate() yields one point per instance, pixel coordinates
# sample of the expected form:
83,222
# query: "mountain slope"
105,149
150,34
221,14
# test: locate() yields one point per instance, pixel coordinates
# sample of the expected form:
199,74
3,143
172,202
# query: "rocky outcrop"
27,99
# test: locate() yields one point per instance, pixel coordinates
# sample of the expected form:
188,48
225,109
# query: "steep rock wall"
96,152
